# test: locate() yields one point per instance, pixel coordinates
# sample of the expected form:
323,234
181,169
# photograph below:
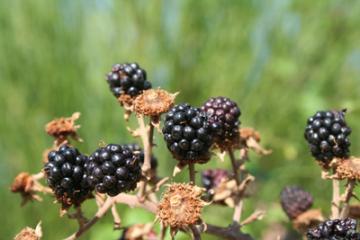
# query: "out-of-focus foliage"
280,60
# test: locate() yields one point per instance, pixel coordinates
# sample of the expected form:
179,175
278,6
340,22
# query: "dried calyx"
180,206
63,128
154,102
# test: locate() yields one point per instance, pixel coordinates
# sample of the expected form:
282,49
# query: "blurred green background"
280,60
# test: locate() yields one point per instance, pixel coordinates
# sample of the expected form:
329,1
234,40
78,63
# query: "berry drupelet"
187,134
295,201
327,134
223,115
337,229
136,149
67,176
113,169
127,78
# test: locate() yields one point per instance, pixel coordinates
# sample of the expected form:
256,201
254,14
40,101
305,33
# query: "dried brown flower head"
22,183
246,133
29,233
126,101
250,139
62,128
348,169
154,102
139,232
180,206
28,185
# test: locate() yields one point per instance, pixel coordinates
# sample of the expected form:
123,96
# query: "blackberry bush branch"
146,135
350,185
335,203
127,199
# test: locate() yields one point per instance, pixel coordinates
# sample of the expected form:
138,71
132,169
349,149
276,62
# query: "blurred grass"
280,60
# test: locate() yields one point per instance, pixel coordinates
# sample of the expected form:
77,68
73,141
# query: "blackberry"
66,175
127,78
113,169
136,149
337,229
327,134
187,134
223,115
211,178
294,201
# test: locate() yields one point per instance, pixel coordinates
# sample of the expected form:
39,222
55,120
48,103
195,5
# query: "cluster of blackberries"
223,114
66,175
187,134
327,134
113,169
127,78
211,178
337,229
137,150
295,201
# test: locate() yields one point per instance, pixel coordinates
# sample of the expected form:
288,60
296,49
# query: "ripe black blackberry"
337,229
187,134
136,149
223,115
211,178
113,169
127,78
66,175
327,134
295,201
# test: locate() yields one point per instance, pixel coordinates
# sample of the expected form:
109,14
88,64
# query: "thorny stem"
162,232
192,173
234,166
346,198
239,201
335,203
130,200
238,211
116,217
147,139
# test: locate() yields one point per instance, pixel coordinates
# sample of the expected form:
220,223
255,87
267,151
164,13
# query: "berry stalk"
346,198
192,173
335,203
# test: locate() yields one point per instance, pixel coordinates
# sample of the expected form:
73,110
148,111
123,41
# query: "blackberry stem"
335,203
234,167
130,200
116,217
239,203
162,232
238,211
147,139
192,173
195,233
350,185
